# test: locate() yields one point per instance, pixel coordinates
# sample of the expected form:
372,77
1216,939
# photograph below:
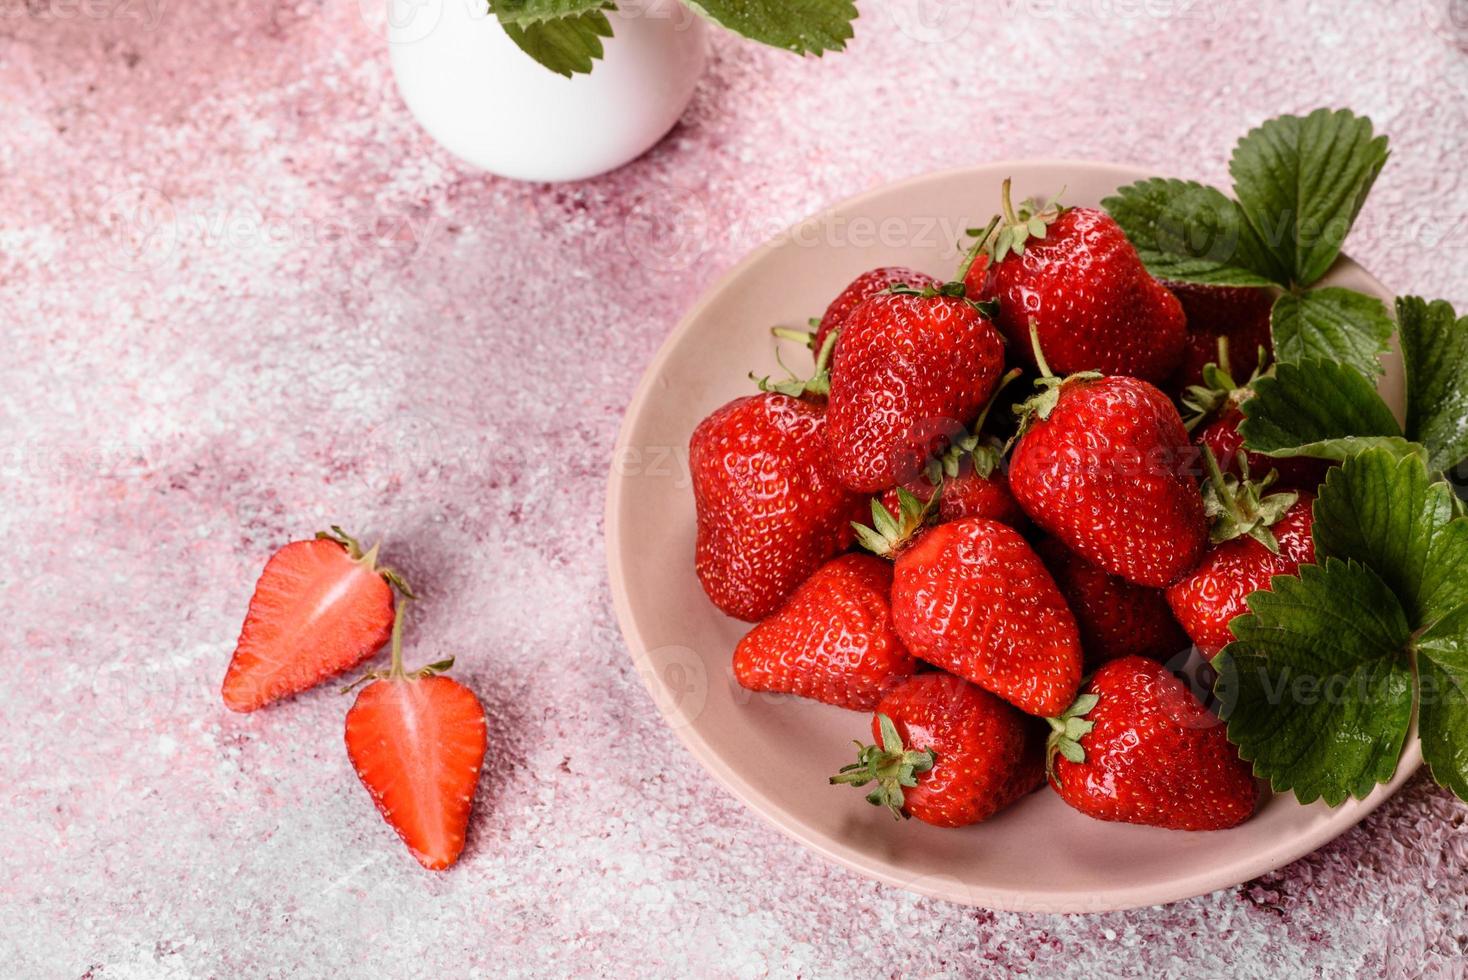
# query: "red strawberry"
1258,538
971,597
770,511
1073,273
863,288
966,495
417,742
833,641
320,607
914,369
1105,465
1138,747
1238,315
947,753
1223,439
1116,618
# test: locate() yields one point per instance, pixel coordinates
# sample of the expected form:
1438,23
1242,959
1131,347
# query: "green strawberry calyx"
396,671
891,765
983,453
890,532
1219,389
819,383
1011,230
1047,387
988,308
1238,506
367,559
1067,731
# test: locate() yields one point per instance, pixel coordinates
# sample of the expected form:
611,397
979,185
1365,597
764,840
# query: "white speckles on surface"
244,297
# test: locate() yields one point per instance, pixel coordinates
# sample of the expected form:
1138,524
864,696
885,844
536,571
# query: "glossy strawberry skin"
1110,473
966,495
1095,306
418,746
315,613
1214,593
909,374
1115,617
1222,436
973,598
1239,313
833,641
1156,755
770,510
863,288
988,754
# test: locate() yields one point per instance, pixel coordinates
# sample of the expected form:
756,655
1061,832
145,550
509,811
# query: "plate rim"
1204,882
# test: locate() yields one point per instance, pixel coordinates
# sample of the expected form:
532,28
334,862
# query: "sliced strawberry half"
321,607
417,741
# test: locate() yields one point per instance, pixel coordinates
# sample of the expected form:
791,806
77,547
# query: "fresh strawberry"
915,368
1074,274
770,510
947,753
320,607
972,598
863,288
417,741
1138,747
1223,439
1256,537
1105,465
1115,617
1239,315
833,641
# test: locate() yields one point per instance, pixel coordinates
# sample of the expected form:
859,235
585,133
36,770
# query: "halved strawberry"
417,741
320,607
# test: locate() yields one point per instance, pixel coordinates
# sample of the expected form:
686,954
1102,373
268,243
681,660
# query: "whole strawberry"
319,608
946,753
1073,272
1223,439
1105,465
417,740
973,598
863,288
1257,537
1116,618
832,641
1239,315
915,368
770,510
1138,747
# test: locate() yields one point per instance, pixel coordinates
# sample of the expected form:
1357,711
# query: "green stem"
399,614
1039,354
1005,203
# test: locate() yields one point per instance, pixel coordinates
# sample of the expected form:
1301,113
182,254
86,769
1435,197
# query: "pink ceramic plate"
775,753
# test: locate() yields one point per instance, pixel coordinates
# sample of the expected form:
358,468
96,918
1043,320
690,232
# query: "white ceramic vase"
490,104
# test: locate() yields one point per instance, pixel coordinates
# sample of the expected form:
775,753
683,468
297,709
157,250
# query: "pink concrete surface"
244,297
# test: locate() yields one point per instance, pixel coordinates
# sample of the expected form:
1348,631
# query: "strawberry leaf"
801,26
1301,182
567,45
1387,513
1333,324
1442,722
1319,408
524,12
1189,232
1317,689
1435,349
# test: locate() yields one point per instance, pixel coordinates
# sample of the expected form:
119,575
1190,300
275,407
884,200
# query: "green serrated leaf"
567,46
1434,343
1388,514
1189,232
1302,181
1319,408
523,12
1317,690
1332,324
1442,720
801,26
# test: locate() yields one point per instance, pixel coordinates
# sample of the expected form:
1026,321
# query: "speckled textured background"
243,296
